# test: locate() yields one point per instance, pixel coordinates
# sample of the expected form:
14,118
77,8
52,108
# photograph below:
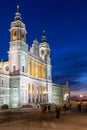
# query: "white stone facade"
26,76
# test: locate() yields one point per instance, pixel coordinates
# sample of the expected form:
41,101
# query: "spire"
17,14
44,37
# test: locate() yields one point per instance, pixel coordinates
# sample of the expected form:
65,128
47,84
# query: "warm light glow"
66,96
81,95
14,35
45,91
23,36
33,68
41,90
43,72
36,69
40,72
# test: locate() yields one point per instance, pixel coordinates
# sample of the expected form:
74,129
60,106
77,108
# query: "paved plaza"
48,121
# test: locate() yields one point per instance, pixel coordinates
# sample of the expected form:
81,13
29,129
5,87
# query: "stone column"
34,69
30,68
27,93
35,93
31,92
38,93
42,94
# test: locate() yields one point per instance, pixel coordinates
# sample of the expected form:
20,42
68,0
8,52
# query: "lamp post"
66,98
81,97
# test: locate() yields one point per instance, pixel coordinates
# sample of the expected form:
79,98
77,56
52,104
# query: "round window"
7,68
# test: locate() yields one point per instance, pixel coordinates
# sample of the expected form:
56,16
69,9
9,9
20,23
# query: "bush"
4,106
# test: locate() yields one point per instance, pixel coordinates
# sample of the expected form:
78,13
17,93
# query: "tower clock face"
14,35
23,36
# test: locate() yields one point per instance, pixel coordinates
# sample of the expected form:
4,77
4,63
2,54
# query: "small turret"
44,49
44,37
35,48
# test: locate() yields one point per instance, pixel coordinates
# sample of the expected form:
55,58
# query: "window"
14,68
2,81
7,68
1,100
22,68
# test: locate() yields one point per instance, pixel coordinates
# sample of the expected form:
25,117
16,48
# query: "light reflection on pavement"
67,121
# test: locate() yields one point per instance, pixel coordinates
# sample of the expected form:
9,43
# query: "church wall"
23,90
60,94
4,66
4,89
14,91
26,77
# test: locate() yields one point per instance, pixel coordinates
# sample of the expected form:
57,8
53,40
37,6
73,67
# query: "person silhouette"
58,112
49,108
79,107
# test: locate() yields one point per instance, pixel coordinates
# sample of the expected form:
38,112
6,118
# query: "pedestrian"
79,107
49,108
58,110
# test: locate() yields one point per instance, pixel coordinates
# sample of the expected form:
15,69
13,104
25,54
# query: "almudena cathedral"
26,76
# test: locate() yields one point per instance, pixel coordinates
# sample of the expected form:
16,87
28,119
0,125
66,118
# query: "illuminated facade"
61,94
26,76
27,73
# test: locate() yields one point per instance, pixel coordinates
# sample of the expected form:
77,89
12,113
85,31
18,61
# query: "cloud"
72,68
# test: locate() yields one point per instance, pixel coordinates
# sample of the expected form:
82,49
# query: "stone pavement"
48,121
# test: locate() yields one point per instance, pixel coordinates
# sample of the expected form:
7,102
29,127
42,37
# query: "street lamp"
66,98
81,97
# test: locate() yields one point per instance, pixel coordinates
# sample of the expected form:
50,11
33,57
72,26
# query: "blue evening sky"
65,22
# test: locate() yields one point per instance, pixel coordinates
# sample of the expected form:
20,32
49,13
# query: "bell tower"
18,51
18,58
44,52
18,30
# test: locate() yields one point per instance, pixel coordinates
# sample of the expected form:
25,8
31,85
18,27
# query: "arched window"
22,68
2,81
14,68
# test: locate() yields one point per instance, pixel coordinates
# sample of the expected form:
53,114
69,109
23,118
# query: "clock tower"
18,57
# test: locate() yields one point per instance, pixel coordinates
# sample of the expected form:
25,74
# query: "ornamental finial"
44,36
44,31
18,15
18,8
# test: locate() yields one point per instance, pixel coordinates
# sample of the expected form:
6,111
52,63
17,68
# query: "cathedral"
26,76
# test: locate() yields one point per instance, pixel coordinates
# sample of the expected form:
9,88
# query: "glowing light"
66,96
81,95
45,92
